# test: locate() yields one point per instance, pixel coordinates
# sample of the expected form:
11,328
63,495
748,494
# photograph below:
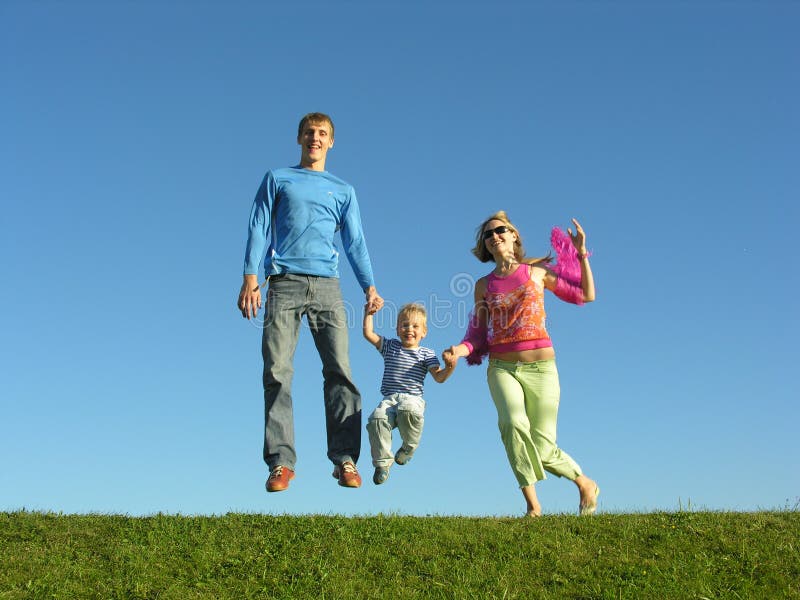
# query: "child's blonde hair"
412,308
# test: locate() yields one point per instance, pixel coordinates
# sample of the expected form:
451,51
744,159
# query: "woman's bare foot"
589,492
534,509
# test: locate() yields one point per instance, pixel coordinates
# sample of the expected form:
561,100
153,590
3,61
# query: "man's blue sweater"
295,214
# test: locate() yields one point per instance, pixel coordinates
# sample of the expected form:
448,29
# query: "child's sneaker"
381,475
402,456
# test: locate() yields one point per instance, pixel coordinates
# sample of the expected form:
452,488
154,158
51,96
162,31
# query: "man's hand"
250,297
374,301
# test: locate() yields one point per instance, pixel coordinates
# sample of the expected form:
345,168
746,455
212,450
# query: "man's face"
315,141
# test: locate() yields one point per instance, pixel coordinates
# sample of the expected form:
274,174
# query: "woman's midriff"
525,355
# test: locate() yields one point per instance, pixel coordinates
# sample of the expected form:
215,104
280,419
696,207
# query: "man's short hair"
314,117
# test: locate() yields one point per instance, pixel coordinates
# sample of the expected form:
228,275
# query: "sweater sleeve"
355,244
260,224
475,339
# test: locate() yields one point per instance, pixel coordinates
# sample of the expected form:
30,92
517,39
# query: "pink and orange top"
516,319
516,312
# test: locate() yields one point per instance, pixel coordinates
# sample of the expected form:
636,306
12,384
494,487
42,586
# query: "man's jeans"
318,298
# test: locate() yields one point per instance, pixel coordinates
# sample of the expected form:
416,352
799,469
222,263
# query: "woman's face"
499,238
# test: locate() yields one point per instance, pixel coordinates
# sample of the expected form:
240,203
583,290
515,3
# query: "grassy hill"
700,555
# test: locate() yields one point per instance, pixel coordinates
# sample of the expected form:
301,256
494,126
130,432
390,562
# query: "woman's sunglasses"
498,230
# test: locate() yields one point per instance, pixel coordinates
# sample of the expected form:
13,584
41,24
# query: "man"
296,212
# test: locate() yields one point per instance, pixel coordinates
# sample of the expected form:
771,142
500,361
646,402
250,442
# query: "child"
405,364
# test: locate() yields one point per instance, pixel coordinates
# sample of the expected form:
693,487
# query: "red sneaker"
347,474
279,479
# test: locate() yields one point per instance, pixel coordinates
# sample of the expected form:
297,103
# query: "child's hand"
374,301
449,357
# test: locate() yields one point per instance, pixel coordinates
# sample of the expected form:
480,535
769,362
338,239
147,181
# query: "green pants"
526,396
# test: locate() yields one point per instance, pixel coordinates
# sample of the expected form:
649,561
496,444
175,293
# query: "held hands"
374,301
449,366
578,238
450,358
453,353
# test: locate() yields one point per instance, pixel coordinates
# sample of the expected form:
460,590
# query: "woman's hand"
578,238
587,279
449,357
453,353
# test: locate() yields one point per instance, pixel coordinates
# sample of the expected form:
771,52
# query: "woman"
508,322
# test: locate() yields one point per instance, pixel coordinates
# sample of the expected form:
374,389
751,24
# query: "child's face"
411,329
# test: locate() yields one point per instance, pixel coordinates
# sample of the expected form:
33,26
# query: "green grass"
658,555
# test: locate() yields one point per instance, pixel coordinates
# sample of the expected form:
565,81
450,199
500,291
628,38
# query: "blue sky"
133,137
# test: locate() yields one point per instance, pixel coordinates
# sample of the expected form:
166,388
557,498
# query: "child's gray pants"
403,411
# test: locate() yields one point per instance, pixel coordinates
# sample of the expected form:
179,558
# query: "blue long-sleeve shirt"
295,214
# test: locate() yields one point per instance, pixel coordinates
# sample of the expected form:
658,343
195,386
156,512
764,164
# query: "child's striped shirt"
404,369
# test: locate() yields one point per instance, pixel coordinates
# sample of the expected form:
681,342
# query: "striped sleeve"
431,360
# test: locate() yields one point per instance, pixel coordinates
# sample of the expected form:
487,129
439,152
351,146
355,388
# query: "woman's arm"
475,339
561,286
587,280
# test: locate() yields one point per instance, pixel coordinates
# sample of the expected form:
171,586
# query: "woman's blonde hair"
483,255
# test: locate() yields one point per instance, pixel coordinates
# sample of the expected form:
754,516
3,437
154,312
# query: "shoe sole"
352,484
